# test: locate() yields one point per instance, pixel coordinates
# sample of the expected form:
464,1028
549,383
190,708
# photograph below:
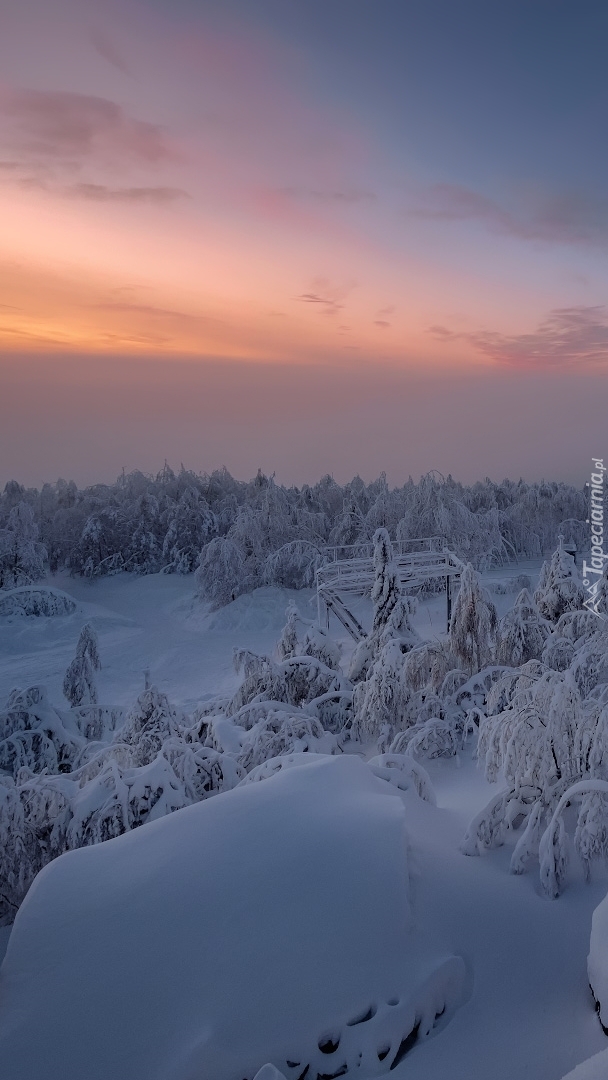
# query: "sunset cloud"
60,125
327,305
568,337
568,217
103,193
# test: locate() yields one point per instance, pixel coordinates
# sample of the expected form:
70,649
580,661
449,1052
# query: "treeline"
243,534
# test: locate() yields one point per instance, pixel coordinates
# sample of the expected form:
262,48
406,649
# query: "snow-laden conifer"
22,556
473,624
522,633
79,684
220,577
560,588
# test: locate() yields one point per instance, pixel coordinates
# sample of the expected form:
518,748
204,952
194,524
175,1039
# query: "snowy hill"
228,935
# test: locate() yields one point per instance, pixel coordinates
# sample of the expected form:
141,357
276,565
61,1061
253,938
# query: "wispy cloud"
569,336
381,320
155,311
107,49
53,124
328,298
103,193
567,218
327,305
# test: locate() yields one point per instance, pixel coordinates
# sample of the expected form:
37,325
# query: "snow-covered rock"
271,924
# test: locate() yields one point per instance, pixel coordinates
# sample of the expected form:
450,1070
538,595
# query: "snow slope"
260,926
156,622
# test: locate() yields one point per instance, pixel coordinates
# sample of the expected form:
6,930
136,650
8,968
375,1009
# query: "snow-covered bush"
429,665
67,792
35,734
301,637
589,665
550,744
36,601
298,680
386,590
282,733
435,738
558,652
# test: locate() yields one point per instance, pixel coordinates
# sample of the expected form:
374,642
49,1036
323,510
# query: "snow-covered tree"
221,572
473,624
144,553
522,633
560,588
99,550
380,702
391,612
294,565
551,746
149,724
287,645
22,557
191,525
386,590
79,684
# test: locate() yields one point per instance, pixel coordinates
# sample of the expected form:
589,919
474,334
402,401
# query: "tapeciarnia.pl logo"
598,555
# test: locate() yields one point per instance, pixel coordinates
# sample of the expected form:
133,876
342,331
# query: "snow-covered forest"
245,534
334,787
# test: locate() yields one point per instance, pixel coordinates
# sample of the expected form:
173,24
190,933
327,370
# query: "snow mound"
595,1068
262,609
36,600
597,962
269,928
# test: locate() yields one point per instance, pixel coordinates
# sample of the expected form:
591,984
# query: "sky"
327,236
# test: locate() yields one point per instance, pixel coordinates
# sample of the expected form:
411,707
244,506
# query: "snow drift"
272,924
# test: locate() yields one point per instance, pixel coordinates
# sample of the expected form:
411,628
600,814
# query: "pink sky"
182,192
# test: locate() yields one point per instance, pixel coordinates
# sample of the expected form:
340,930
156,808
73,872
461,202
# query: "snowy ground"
529,1013
157,622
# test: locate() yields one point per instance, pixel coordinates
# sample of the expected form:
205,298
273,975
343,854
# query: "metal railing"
354,576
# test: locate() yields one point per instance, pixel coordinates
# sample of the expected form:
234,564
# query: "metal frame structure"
349,571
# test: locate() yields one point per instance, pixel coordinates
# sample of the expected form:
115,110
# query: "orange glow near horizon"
166,280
